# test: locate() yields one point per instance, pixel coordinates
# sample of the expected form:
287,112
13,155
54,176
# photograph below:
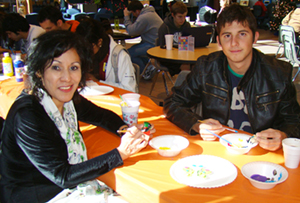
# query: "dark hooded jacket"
168,27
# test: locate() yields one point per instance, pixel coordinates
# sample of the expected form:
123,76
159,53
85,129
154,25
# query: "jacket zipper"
266,94
217,87
224,99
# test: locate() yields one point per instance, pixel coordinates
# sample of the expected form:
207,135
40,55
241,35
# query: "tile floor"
267,43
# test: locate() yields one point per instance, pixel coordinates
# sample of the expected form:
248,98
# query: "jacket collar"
248,75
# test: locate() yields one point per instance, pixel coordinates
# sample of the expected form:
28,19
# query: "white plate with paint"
203,171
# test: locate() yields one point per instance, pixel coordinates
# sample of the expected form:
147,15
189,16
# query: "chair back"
290,49
79,16
257,10
137,75
286,30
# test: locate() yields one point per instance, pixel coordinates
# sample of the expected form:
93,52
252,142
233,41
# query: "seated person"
238,86
50,18
146,24
103,46
17,28
174,24
43,152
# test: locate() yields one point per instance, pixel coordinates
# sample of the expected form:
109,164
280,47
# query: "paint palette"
203,171
264,174
239,143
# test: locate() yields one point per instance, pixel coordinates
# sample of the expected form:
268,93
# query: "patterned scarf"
68,127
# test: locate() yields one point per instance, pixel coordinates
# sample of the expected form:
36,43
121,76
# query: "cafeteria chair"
137,75
78,16
291,53
285,30
182,77
158,69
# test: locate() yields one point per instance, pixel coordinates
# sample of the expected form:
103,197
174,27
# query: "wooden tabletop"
177,56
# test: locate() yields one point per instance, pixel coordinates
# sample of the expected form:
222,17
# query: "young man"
50,18
146,25
174,24
239,87
17,28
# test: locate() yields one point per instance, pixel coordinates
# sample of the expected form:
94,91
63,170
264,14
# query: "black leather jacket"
34,160
270,95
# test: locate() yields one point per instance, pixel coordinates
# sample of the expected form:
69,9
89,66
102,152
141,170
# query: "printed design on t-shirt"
239,112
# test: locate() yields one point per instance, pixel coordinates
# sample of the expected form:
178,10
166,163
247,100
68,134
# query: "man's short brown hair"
235,12
179,7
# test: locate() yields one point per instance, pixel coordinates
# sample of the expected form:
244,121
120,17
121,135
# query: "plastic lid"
18,57
6,54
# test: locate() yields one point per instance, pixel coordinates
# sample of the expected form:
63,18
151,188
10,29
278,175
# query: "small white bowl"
263,169
169,145
239,139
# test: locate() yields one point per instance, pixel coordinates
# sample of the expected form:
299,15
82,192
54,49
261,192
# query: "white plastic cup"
130,112
291,151
169,41
131,97
187,18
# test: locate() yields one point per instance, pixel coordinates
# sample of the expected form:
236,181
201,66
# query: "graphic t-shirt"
238,110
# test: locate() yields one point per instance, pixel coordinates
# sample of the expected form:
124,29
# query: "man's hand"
211,125
270,139
126,12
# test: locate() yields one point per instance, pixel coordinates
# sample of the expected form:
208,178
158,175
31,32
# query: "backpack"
115,60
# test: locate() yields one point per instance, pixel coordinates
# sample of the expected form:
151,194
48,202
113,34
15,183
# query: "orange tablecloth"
145,176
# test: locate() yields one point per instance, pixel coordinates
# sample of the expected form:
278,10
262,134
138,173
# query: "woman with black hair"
43,153
103,47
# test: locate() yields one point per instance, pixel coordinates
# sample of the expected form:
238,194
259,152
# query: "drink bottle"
7,65
19,68
116,23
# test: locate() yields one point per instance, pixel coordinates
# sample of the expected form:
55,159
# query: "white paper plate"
191,171
96,90
3,77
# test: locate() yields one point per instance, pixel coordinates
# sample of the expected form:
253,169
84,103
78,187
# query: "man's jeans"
138,54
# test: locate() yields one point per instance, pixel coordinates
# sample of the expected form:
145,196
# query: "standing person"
50,18
17,28
262,5
223,4
293,19
146,25
103,47
238,86
174,24
43,154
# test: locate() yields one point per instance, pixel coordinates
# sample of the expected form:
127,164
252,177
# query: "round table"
177,56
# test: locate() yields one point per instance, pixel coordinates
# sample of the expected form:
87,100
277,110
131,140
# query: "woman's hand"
133,141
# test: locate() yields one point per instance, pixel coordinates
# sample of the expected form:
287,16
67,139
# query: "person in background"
238,86
293,19
103,47
262,5
147,24
223,4
3,44
43,154
174,24
50,18
17,28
